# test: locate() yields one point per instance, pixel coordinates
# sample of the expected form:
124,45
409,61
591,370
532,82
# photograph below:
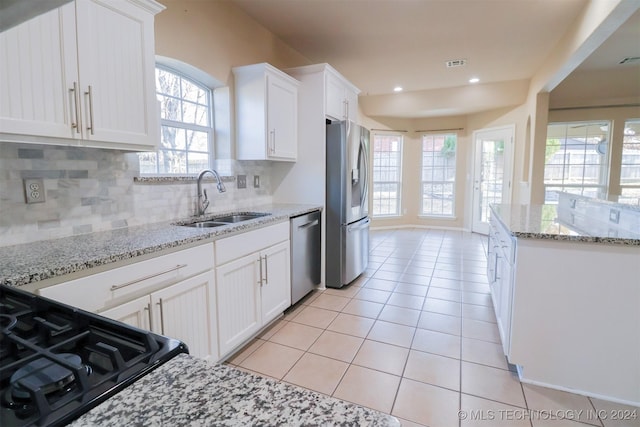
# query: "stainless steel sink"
238,217
226,220
206,224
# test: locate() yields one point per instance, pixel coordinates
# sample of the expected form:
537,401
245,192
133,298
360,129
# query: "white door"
282,118
186,311
276,287
37,74
335,103
135,313
238,288
492,173
116,63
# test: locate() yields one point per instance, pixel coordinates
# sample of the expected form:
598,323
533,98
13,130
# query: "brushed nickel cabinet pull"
161,317
148,310
90,93
260,279
266,271
76,104
272,145
133,282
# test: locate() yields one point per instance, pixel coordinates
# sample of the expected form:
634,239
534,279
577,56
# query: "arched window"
186,135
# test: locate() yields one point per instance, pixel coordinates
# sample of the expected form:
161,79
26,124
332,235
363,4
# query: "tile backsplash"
89,189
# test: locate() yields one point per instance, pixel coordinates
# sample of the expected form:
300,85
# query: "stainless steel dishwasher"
305,254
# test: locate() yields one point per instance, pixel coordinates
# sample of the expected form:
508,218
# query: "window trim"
624,186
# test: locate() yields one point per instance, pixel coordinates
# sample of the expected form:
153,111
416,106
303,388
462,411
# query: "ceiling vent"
456,63
630,60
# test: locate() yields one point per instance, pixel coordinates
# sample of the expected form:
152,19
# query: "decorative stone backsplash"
90,189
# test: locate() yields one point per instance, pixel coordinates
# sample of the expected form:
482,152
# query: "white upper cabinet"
82,74
36,99
341,101
266,113
339,97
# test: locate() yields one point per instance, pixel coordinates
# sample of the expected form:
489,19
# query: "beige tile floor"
415,337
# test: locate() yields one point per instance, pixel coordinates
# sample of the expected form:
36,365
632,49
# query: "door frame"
508,171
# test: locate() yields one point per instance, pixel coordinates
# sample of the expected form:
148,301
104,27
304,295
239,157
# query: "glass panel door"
492,173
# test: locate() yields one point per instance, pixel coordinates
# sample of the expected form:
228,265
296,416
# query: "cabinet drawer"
243,244
503,240
105,289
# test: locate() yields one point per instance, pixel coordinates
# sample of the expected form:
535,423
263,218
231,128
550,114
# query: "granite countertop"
541,222
191,392
32,262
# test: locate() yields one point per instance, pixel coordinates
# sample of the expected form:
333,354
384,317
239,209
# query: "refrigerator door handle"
365,177
356,227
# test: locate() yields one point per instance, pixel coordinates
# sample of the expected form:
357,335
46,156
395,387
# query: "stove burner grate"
44,374
57,362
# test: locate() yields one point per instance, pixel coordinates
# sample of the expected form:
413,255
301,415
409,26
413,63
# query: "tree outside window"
576,159
186,135
438,175
387,175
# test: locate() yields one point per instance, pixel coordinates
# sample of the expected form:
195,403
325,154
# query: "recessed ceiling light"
397,89
474,80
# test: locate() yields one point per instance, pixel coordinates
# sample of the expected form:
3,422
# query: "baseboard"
426,227
575,391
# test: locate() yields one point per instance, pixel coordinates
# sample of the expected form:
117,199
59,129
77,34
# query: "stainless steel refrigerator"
347,203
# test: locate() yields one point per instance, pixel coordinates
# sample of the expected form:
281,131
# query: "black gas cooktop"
57,362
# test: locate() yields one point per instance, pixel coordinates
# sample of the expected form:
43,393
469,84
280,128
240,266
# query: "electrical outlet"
614,216
242,181
34,190
256,181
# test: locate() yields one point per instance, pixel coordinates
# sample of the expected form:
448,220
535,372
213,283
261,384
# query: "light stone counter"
191,392
569,280
25,264
542,222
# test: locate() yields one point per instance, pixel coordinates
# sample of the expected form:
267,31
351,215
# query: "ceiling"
381,44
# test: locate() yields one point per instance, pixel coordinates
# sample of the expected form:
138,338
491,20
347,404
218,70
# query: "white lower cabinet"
252,288
275,291
135,313
184,311
213,297
172,294
501,260
238,301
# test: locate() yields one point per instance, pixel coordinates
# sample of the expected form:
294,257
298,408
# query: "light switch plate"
256,181
34,190
242,181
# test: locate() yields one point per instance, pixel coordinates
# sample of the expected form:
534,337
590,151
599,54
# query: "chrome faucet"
203,201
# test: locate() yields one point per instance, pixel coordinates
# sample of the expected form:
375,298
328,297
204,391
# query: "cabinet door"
276,285
282,118
37,75
238,301
334,98
116,67
135,313
504,319
187,311
351,98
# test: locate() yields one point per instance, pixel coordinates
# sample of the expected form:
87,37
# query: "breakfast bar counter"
565,285
187,391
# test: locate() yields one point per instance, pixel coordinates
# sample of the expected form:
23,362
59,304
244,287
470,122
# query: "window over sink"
187,126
